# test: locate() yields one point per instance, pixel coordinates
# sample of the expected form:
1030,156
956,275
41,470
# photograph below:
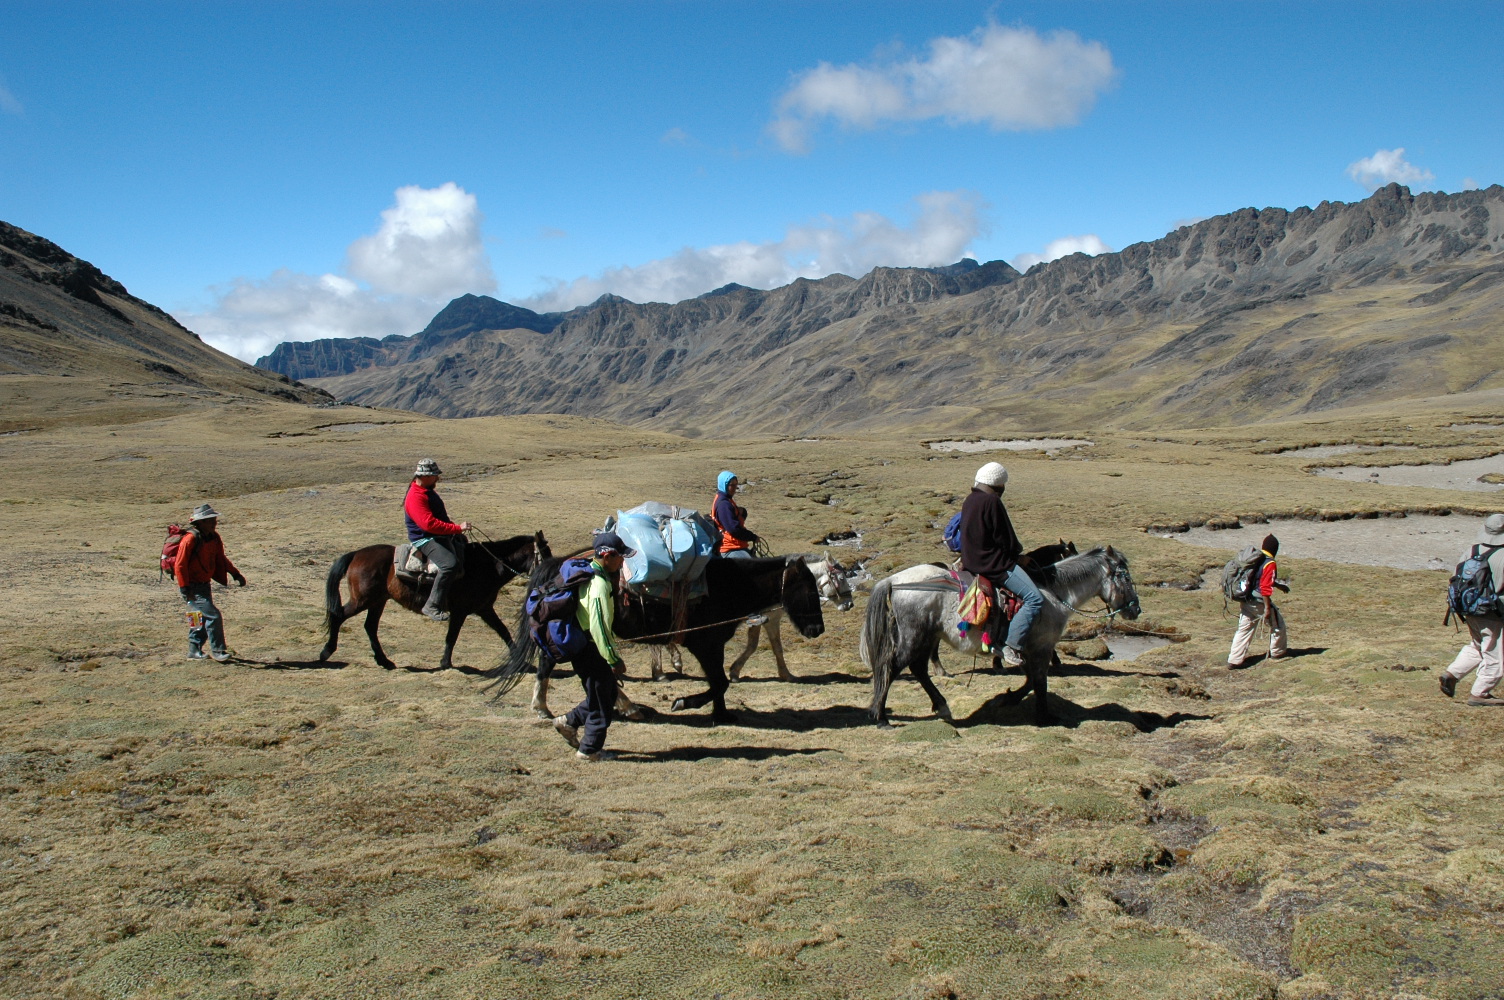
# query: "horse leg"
711,659
628,709
655,662
753,632
373,620
336,620
920,669
451,636
540,693
935,659
491,618
1039,670
775,639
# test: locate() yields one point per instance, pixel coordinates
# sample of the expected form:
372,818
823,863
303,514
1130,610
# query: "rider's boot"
437,599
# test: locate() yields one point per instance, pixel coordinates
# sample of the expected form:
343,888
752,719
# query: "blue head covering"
724,478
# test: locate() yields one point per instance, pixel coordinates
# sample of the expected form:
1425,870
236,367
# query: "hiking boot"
757,620
221,655
570,733
1484,700
196,654
598,755
1012,657
1278,656
1234,666
434,614
1448,684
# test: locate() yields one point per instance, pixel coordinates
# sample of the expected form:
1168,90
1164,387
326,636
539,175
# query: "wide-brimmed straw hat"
992,474
428,467
203,512
1492,532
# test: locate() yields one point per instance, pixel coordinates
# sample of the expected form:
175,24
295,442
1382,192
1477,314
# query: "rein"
500,562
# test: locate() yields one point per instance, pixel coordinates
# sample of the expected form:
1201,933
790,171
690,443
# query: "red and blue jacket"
425,514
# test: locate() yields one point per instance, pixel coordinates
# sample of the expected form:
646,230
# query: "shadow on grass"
830,677
296,664
1290,654
996,711
794,720
463,668
716,753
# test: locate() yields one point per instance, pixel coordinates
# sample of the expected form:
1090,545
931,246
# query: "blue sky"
233,163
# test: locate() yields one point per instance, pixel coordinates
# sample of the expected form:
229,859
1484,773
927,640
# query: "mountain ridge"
1131,330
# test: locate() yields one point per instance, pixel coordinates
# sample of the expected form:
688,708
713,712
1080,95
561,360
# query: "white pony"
914,610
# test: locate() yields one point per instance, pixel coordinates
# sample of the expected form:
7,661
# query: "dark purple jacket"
989,546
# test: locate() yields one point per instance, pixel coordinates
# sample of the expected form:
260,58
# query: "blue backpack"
1471,591
551,612
953,533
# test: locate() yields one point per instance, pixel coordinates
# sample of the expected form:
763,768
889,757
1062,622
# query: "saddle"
412,565
1008,602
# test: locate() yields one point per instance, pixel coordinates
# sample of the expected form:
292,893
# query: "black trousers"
595,713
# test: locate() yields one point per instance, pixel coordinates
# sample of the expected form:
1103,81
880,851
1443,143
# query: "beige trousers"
1482,654
1250,614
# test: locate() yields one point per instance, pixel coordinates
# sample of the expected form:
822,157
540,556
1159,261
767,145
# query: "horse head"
801,598
1117,591
831,581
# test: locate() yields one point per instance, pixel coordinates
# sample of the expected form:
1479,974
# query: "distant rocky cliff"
1257,312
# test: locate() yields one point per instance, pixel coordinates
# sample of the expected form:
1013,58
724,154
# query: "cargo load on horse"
673,545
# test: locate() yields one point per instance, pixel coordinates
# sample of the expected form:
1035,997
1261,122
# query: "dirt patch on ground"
1418,541
1461,475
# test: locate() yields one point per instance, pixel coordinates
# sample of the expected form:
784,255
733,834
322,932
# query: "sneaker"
757,620
598,755
1483,700
1448,685
570,733
1234,666
438,616
196,654
1012,657
221,655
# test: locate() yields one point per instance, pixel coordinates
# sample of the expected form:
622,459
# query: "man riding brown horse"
430,531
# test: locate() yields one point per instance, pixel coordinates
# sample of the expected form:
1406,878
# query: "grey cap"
605,540
1492,532
203,512
428,467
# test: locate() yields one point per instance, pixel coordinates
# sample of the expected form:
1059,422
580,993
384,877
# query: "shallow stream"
1012,444
1420,541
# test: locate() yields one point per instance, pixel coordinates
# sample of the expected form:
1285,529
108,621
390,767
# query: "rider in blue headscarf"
736,539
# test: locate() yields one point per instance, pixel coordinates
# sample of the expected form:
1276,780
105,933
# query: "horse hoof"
679,705
944,713
386,664
723,718
634,714
542,714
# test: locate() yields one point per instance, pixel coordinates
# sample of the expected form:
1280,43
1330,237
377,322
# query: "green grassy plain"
1325,826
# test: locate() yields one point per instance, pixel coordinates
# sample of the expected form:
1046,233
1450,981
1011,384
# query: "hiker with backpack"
595,659
1473,596
1249,579
200,559
990,549
430,531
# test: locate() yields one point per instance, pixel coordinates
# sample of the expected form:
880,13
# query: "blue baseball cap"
610,540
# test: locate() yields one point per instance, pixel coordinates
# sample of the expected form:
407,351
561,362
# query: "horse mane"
1079,566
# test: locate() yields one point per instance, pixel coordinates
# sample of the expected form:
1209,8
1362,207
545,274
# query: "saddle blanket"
412,565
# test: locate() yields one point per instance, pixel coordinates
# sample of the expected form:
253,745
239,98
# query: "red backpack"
169,561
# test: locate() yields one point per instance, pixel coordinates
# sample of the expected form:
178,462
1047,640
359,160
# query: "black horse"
372,579
735,589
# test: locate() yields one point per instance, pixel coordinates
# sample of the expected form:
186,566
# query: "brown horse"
372,580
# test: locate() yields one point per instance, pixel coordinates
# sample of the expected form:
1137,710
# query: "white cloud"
1468,184
1090,244
944,224
675,136
8,102
1387,166
427,250
1006,78
429,244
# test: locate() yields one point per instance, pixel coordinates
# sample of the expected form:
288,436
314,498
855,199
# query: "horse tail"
333,603
878,643
524,656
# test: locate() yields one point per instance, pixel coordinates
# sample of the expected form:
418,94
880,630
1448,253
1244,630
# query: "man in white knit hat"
1487,630
990,548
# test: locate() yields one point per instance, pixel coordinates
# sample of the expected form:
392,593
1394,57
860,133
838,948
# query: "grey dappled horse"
914,609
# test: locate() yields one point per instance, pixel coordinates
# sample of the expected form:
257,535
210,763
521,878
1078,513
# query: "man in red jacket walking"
201,559
430,531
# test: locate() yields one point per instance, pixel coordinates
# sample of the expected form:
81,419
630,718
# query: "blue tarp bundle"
673,545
